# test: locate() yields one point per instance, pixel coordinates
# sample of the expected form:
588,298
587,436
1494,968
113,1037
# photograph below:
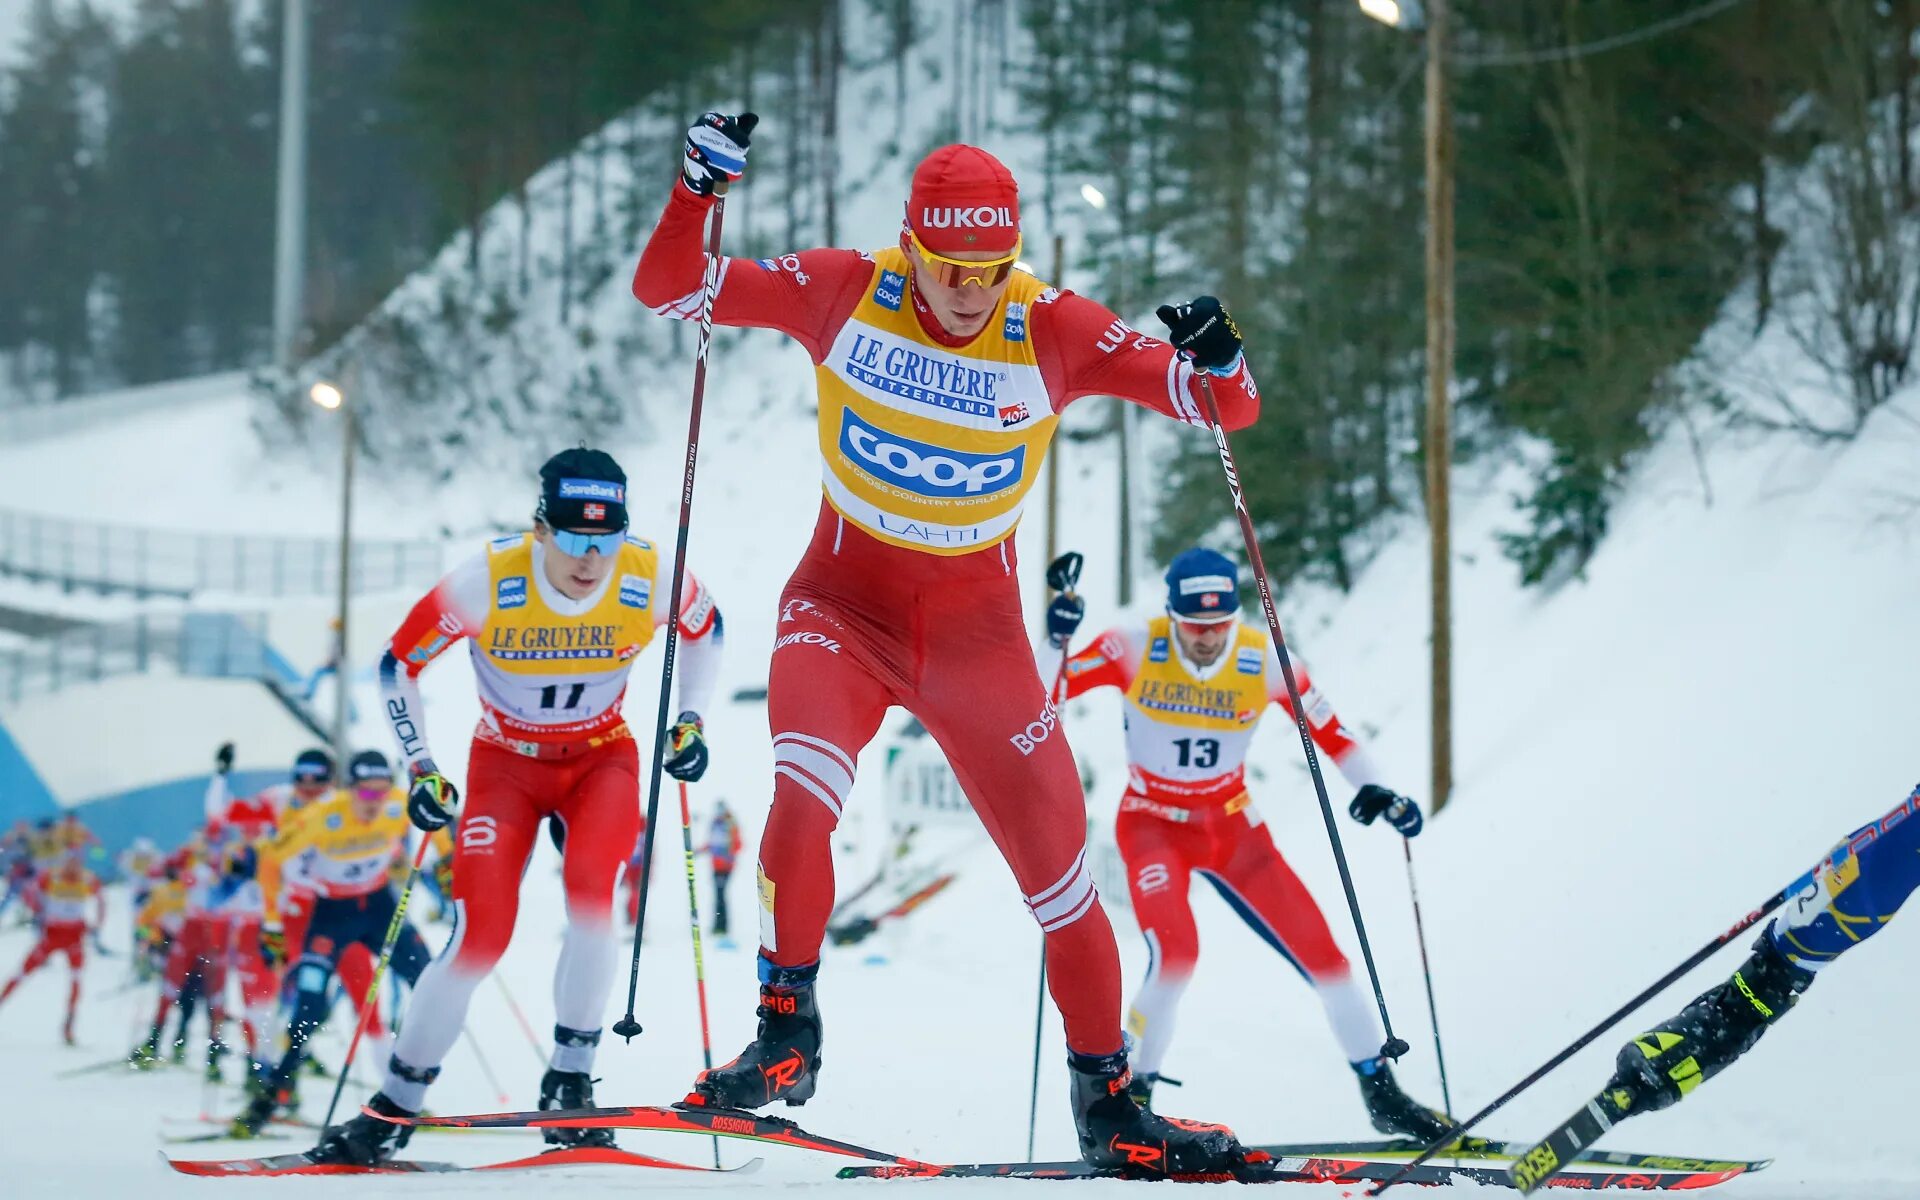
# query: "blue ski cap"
1203,585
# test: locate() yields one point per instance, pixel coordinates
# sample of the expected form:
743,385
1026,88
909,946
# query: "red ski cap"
964,199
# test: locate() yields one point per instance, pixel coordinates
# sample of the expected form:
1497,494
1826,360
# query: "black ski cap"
369,765
583,489
313,766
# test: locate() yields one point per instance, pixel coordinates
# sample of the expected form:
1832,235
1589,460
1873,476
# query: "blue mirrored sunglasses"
576,545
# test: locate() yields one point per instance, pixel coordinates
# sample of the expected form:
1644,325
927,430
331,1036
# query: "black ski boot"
1141,1089
783,1060
1392,1110
254,1117
365,1140
1660,1066
146,1056
570,1089
1117,1133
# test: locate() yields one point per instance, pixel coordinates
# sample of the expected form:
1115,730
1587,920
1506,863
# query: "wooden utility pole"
1439,132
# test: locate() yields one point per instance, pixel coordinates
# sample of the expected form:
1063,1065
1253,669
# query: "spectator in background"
723,847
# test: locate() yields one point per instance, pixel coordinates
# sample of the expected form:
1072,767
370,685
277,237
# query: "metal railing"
160,562
206,645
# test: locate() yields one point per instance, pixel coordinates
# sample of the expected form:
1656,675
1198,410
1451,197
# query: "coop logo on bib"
890,291
1251,661
1015,329
511,593
635,591
923,469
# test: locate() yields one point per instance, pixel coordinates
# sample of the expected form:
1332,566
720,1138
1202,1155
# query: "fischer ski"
1309,1170
300,1164
1546,1159
1494,1149
724,1122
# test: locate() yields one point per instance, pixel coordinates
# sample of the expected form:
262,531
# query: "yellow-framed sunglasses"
957,272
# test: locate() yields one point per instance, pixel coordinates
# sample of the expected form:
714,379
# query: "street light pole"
290,223
328,396
1439,139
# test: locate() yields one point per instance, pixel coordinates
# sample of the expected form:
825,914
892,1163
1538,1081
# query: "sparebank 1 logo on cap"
1200,584
927,470
593,489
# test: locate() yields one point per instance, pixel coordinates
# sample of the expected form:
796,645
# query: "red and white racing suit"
907,594
61,899
551,743
1186,812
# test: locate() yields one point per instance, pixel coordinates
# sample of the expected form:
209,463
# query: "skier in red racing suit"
942,371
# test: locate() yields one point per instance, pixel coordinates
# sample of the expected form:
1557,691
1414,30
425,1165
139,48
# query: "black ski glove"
716,151
1204,331
687,740
223,758
431,799
1063,618
1374,801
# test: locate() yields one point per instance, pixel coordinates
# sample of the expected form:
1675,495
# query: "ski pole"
627,1027
1426,969
1393,1047
1063,573
521,1018
394,927
1039,1013
1620,1014
486,1068
699,961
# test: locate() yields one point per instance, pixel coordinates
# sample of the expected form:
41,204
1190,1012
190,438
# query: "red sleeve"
1106,663
806,296
698,613
1085,350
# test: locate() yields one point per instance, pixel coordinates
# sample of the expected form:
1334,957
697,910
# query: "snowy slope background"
1642,755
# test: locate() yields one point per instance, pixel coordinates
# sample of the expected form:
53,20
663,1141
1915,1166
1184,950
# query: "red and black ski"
724,1122
300,1164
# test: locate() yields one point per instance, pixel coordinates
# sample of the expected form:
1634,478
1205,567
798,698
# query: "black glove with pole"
1067,609
431,799
716,152
1204,331
1376,801
687,739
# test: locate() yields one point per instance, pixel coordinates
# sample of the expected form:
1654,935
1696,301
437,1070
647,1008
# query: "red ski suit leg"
54,939
1235,853
595,796
864,625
